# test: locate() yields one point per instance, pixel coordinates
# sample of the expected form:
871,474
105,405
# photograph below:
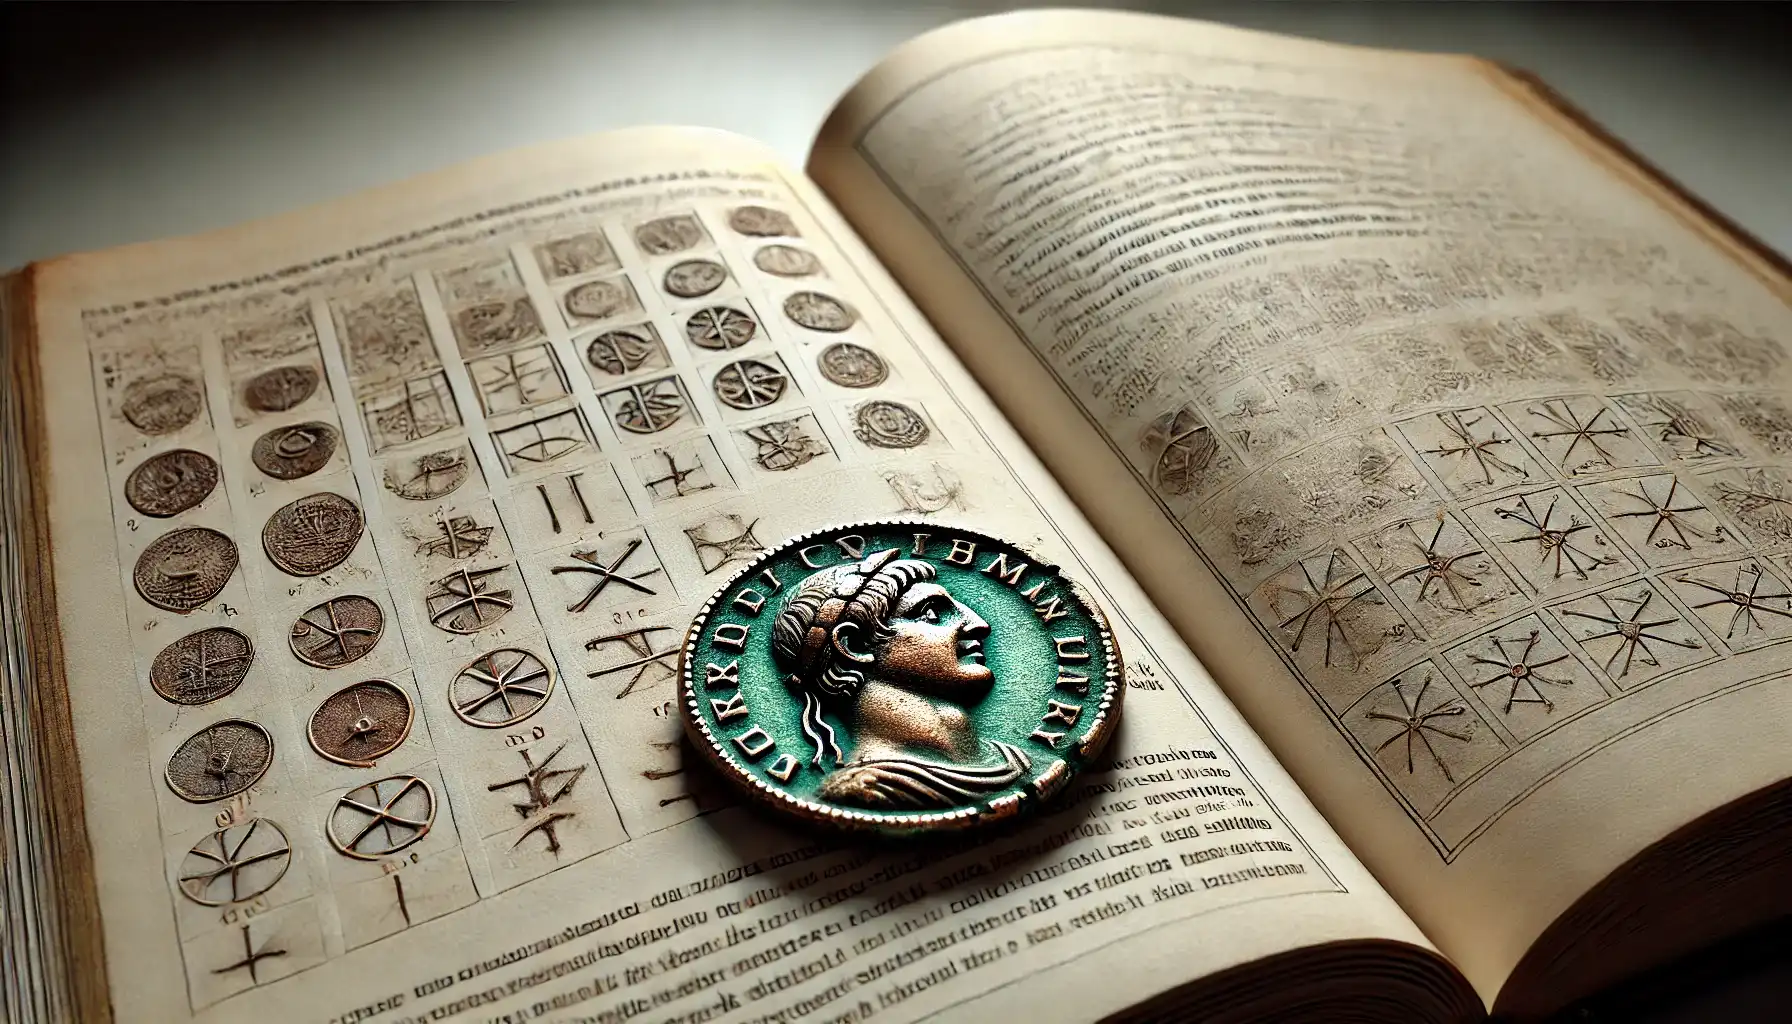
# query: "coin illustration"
596,300
501,688
668,235
279,389
313,534
819,312
749,384
202,667
341,630
220,760
882,424
427,477
900,676
761,222
719,328
692,278
359,724
619,352
236,863
786,261
382,817
183,569
170,483
852,366
161,404
288,453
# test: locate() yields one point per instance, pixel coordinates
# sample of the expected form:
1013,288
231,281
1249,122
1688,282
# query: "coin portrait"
361,723
761,222
291,452
170,483
786,261
720,328
185,568
819,312
338,631
280,388
202,667
885,424
220,760
852,366
693,278
161,404
313,534
900,676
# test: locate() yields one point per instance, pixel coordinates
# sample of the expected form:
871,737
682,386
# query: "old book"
1431,456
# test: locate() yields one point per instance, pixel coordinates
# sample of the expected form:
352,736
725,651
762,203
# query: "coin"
183,569
501,688
900,676
884,424
279,389
749,384
719,328
786,261
161,404
668,235
202,667
341,630
852,366
236,863
382,817
760,221
819,312
359,724
692,278
288,453
622,351
313,534
219,761
170,483
596,300
427,477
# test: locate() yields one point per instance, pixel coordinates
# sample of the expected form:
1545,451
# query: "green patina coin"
900,677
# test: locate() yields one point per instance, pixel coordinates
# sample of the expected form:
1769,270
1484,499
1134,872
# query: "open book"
1431,458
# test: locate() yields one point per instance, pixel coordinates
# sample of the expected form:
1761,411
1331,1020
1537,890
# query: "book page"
1462,458
376,527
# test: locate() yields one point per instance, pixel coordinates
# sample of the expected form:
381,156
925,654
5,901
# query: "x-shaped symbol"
606,574
383,816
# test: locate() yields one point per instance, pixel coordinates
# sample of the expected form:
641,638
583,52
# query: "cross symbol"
606,574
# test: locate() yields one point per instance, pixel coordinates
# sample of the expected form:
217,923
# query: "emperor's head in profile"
880,645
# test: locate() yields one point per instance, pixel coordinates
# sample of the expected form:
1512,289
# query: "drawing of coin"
719,328
202,667
170,483
761,221
668,235
884,424
313,534
501,688
619,352
279,389
491,324
288,453
692,278
359,724
597,300
220,761
819,312
183,569
749,384
852,366
161,404
382,817
786,261
236,863
341,630
427,477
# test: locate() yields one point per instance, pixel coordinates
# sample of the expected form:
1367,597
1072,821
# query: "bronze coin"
692,278
359,724
202,667
889,425
501,688
341,630
621,352
183,569
288,453
170,483
668,235
761,221
313,534
719,328
852,366
786,261
596,300
220,761
749,384
279,389
819,312
162,404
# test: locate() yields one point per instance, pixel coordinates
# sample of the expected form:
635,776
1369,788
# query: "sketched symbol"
1323,601
1577,428
1419,722
1686,433
679,477
1634,632
1669,516
382,817
1748,602
1468,446
1763,504
236,863
783,444
940,489
647,408
425,406
720,541
572,484
434,475
460,600
515,380
1182,448
638,642
1436,566
461,537
543,440
606,574
1520,672
251,958
501,688
1555,541
543,789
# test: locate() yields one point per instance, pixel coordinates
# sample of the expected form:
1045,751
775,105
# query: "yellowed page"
1461,461
511,388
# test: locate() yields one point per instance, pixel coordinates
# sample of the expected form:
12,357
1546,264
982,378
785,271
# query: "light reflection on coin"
202,667
359,724
819,312
280,388
170,483
761,221
220,761
786,261
338,631
161,404
183,569
299,450
313,534
852,366
692,278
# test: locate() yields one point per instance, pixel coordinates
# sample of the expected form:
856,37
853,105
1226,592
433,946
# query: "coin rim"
136,567
378,635
247,642
553,681
284,868
420,835
217,475
285,567
257,726
1008,806
410,721
328,431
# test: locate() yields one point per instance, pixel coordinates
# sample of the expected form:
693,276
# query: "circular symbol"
692,278
619,352
650,408
749,384
719,328
170,483
288,453
501,688
183,569
884,424
236,863
597,300
279,389
427,477
786,261
161,404
382,817
852,366
313,534
811,698
761,222
220,761
491,324
668,235
357,725
819,312
202,667
1185,449
341,630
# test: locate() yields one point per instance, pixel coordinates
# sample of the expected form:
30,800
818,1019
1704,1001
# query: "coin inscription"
170,483
693,278
291,452
220,760
313,534
852,366
161,404
280,388
341,630
361,723
183,569
202,667
819,312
